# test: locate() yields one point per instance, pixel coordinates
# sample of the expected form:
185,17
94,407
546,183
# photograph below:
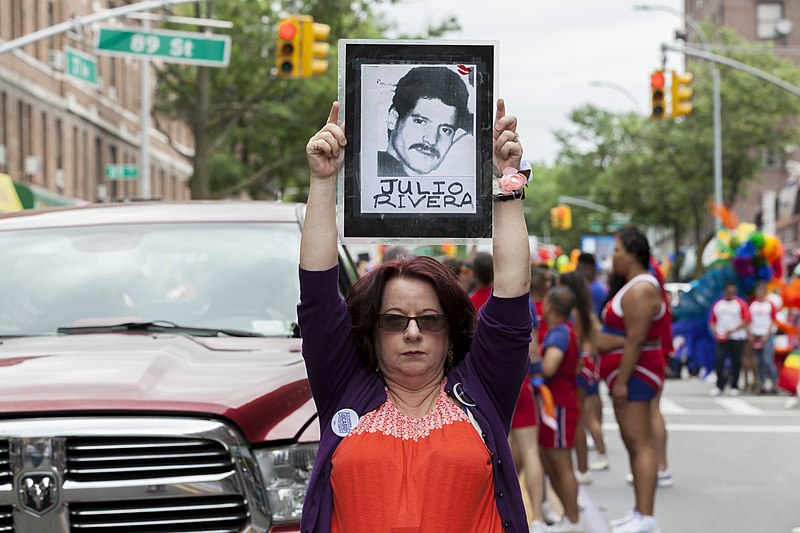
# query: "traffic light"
554,220
288,46
565,216
314,52
658,97
682,94
561,217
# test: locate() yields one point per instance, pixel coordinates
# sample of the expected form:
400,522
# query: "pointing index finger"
333,116
501,110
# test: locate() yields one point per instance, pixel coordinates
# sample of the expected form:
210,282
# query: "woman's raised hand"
325,150
507,148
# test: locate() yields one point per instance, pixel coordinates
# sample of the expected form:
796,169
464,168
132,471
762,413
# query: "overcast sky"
551,49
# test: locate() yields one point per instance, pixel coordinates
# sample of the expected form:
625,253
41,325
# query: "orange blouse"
397,474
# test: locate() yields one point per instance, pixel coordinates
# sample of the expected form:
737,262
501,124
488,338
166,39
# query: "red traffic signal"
657,80
287,30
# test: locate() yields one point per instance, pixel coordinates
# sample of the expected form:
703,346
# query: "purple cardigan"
488,380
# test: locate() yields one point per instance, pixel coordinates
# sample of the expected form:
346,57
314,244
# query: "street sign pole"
144,175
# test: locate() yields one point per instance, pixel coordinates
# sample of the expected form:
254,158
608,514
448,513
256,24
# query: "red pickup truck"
151,372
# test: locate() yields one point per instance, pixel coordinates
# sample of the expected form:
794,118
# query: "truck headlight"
286,473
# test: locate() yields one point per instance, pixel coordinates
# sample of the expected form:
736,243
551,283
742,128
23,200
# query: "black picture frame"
408,222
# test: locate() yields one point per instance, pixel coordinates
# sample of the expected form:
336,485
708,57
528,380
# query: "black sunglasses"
429,323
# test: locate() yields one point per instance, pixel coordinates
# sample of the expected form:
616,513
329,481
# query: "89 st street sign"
172,46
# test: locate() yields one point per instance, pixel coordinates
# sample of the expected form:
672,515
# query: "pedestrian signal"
658,98
682,94
314,53
288,46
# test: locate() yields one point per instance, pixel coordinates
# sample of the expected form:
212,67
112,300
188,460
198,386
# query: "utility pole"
689,21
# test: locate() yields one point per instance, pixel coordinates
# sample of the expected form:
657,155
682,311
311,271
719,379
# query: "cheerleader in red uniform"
635,320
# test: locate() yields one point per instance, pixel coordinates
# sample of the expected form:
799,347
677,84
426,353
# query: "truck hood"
259,384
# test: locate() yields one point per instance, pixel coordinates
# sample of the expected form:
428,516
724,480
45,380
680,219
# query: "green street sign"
122,172
80,66
171,46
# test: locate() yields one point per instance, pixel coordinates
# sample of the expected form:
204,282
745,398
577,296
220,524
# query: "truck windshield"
235,275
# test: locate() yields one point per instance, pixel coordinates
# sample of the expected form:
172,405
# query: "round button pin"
344,421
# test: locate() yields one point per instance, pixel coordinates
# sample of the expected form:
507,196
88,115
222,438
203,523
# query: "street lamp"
617,87
689,21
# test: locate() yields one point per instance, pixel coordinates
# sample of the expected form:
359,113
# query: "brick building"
59,133
768,200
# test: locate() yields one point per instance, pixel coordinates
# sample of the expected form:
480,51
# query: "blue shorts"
640,390
591,387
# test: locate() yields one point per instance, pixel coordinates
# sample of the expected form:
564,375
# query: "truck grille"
128,474
123,458
5,464
218,514
6,518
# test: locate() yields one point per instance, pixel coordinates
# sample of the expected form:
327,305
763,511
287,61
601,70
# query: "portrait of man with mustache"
429,106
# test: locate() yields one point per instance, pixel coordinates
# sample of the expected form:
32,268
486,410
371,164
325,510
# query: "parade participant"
587,266
414,398
762,331
524,425
483,274
587,328
631,363
557,431
730,322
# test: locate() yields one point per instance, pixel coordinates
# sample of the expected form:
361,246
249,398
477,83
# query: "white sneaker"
665,478
629,478
623,520
600,464
583,478
733,392
792,402
566,526
539,527
714,392
639,524
550,516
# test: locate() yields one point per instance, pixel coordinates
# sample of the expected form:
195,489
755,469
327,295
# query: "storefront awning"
9,199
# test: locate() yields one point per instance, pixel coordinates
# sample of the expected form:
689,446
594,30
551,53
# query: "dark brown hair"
364,302
583,300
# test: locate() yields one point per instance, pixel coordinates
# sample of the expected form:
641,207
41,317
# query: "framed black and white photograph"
418,118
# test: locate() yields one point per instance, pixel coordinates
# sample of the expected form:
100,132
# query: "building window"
767,16
59,145
98,160
45,159
21,136
76,159
51,19
3,119
772,158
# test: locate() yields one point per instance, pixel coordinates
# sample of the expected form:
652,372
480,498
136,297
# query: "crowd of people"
441,384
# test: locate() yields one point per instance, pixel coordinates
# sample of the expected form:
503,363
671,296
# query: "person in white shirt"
730,318
762,331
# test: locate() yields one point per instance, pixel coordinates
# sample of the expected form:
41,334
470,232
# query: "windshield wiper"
157,326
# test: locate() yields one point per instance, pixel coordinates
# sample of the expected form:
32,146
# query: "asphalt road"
735,463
